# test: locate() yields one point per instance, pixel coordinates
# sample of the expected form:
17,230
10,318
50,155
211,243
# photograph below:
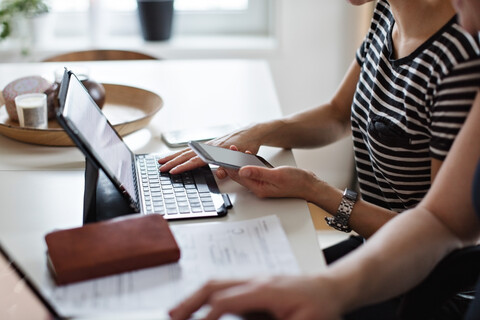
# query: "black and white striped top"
407,111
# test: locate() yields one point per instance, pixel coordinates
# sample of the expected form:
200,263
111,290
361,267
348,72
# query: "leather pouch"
110,247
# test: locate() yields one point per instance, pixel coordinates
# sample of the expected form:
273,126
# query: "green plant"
9,9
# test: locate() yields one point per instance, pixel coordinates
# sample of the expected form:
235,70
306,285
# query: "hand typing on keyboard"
174,194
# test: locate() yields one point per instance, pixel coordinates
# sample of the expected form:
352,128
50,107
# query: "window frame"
96,24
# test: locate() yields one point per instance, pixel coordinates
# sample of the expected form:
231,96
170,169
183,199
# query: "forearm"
399,256
314,127
311,128
365,218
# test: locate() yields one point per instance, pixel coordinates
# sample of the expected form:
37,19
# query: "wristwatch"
341,219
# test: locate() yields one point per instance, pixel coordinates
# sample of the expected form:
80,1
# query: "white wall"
318,43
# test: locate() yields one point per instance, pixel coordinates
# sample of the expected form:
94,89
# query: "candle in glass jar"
32,110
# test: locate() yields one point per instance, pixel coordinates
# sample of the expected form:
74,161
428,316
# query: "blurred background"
308,44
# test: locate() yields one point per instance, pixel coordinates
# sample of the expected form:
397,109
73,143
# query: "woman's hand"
284,297
280,182
187,159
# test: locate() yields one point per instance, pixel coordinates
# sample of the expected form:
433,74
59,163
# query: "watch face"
350,194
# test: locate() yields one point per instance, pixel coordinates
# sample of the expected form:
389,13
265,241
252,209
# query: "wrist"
325,196
317,190
334,291
341,220
346,282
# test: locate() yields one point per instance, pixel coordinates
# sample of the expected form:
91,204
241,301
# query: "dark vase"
156,17
95,89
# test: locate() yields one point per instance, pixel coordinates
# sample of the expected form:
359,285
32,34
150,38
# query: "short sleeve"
454,98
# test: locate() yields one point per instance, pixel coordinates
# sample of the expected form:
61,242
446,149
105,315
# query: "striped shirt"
407,111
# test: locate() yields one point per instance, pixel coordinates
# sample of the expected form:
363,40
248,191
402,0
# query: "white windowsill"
178,47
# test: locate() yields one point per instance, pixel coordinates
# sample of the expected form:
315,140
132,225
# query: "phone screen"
227,158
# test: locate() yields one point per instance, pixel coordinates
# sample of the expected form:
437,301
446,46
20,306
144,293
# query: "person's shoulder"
457,56
458,42
377,35
382,22
382,13
382,6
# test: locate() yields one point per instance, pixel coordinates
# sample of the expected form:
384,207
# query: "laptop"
193,194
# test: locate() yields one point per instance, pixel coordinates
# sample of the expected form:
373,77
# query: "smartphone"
226,157
180,138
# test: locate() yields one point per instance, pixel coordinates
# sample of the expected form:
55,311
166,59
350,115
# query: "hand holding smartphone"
226,157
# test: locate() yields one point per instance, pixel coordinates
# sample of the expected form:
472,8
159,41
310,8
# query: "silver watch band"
341,220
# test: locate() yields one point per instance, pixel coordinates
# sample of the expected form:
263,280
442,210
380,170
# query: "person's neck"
416,21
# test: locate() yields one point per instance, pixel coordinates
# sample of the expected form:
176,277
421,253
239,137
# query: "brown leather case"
110,247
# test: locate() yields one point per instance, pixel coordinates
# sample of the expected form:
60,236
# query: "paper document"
211,250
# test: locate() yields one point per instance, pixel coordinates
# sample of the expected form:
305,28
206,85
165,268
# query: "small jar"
30,84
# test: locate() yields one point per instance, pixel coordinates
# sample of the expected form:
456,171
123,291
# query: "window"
185,5
94,20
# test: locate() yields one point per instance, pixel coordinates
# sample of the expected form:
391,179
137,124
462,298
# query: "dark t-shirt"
474,311
476,191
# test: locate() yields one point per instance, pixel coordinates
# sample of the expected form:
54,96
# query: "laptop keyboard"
170,195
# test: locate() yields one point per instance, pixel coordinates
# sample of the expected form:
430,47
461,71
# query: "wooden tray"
127,108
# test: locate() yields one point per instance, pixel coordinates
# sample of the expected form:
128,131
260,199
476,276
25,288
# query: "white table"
41,188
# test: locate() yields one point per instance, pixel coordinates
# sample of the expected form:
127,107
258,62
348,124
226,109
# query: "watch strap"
341,219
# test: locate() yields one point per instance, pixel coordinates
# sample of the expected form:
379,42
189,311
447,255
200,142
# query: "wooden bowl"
127,108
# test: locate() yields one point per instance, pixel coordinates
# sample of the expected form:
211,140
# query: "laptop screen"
94,129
